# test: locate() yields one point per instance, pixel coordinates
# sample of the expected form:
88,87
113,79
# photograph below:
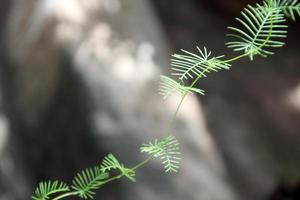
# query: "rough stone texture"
80,81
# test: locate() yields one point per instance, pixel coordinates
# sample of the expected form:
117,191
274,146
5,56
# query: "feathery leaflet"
262,27
45,189
291,8
87,181
110,162
167,150
169,86
189,65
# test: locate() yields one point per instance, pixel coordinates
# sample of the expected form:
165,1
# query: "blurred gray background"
79,78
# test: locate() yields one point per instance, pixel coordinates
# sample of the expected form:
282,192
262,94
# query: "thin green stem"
175,114
113,178
269,35
65,195
171,124
236,58
141,164
196,80
192,85
179,105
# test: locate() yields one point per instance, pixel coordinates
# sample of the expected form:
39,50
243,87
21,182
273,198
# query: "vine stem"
175,114
144,162
65,195
225,61
192,85
236,58
141,164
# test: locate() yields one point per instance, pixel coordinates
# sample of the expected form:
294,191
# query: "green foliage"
169,86
46,189
110,162
189,65
87,181
262,27
167,150
91,179
291,8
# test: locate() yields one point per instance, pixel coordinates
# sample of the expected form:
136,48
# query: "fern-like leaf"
262,27
188,65
291,8
169,86
46,189
89,180
167,150
111,162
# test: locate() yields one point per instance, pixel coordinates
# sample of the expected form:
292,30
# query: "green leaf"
189,64
167,150
262,27
110,162
87,181
45,189
291,8
169,86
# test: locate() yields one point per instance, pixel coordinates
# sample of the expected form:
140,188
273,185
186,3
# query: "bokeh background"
79,79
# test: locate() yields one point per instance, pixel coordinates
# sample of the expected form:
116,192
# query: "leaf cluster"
167,150
86,182
46,189
261,28
291,8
